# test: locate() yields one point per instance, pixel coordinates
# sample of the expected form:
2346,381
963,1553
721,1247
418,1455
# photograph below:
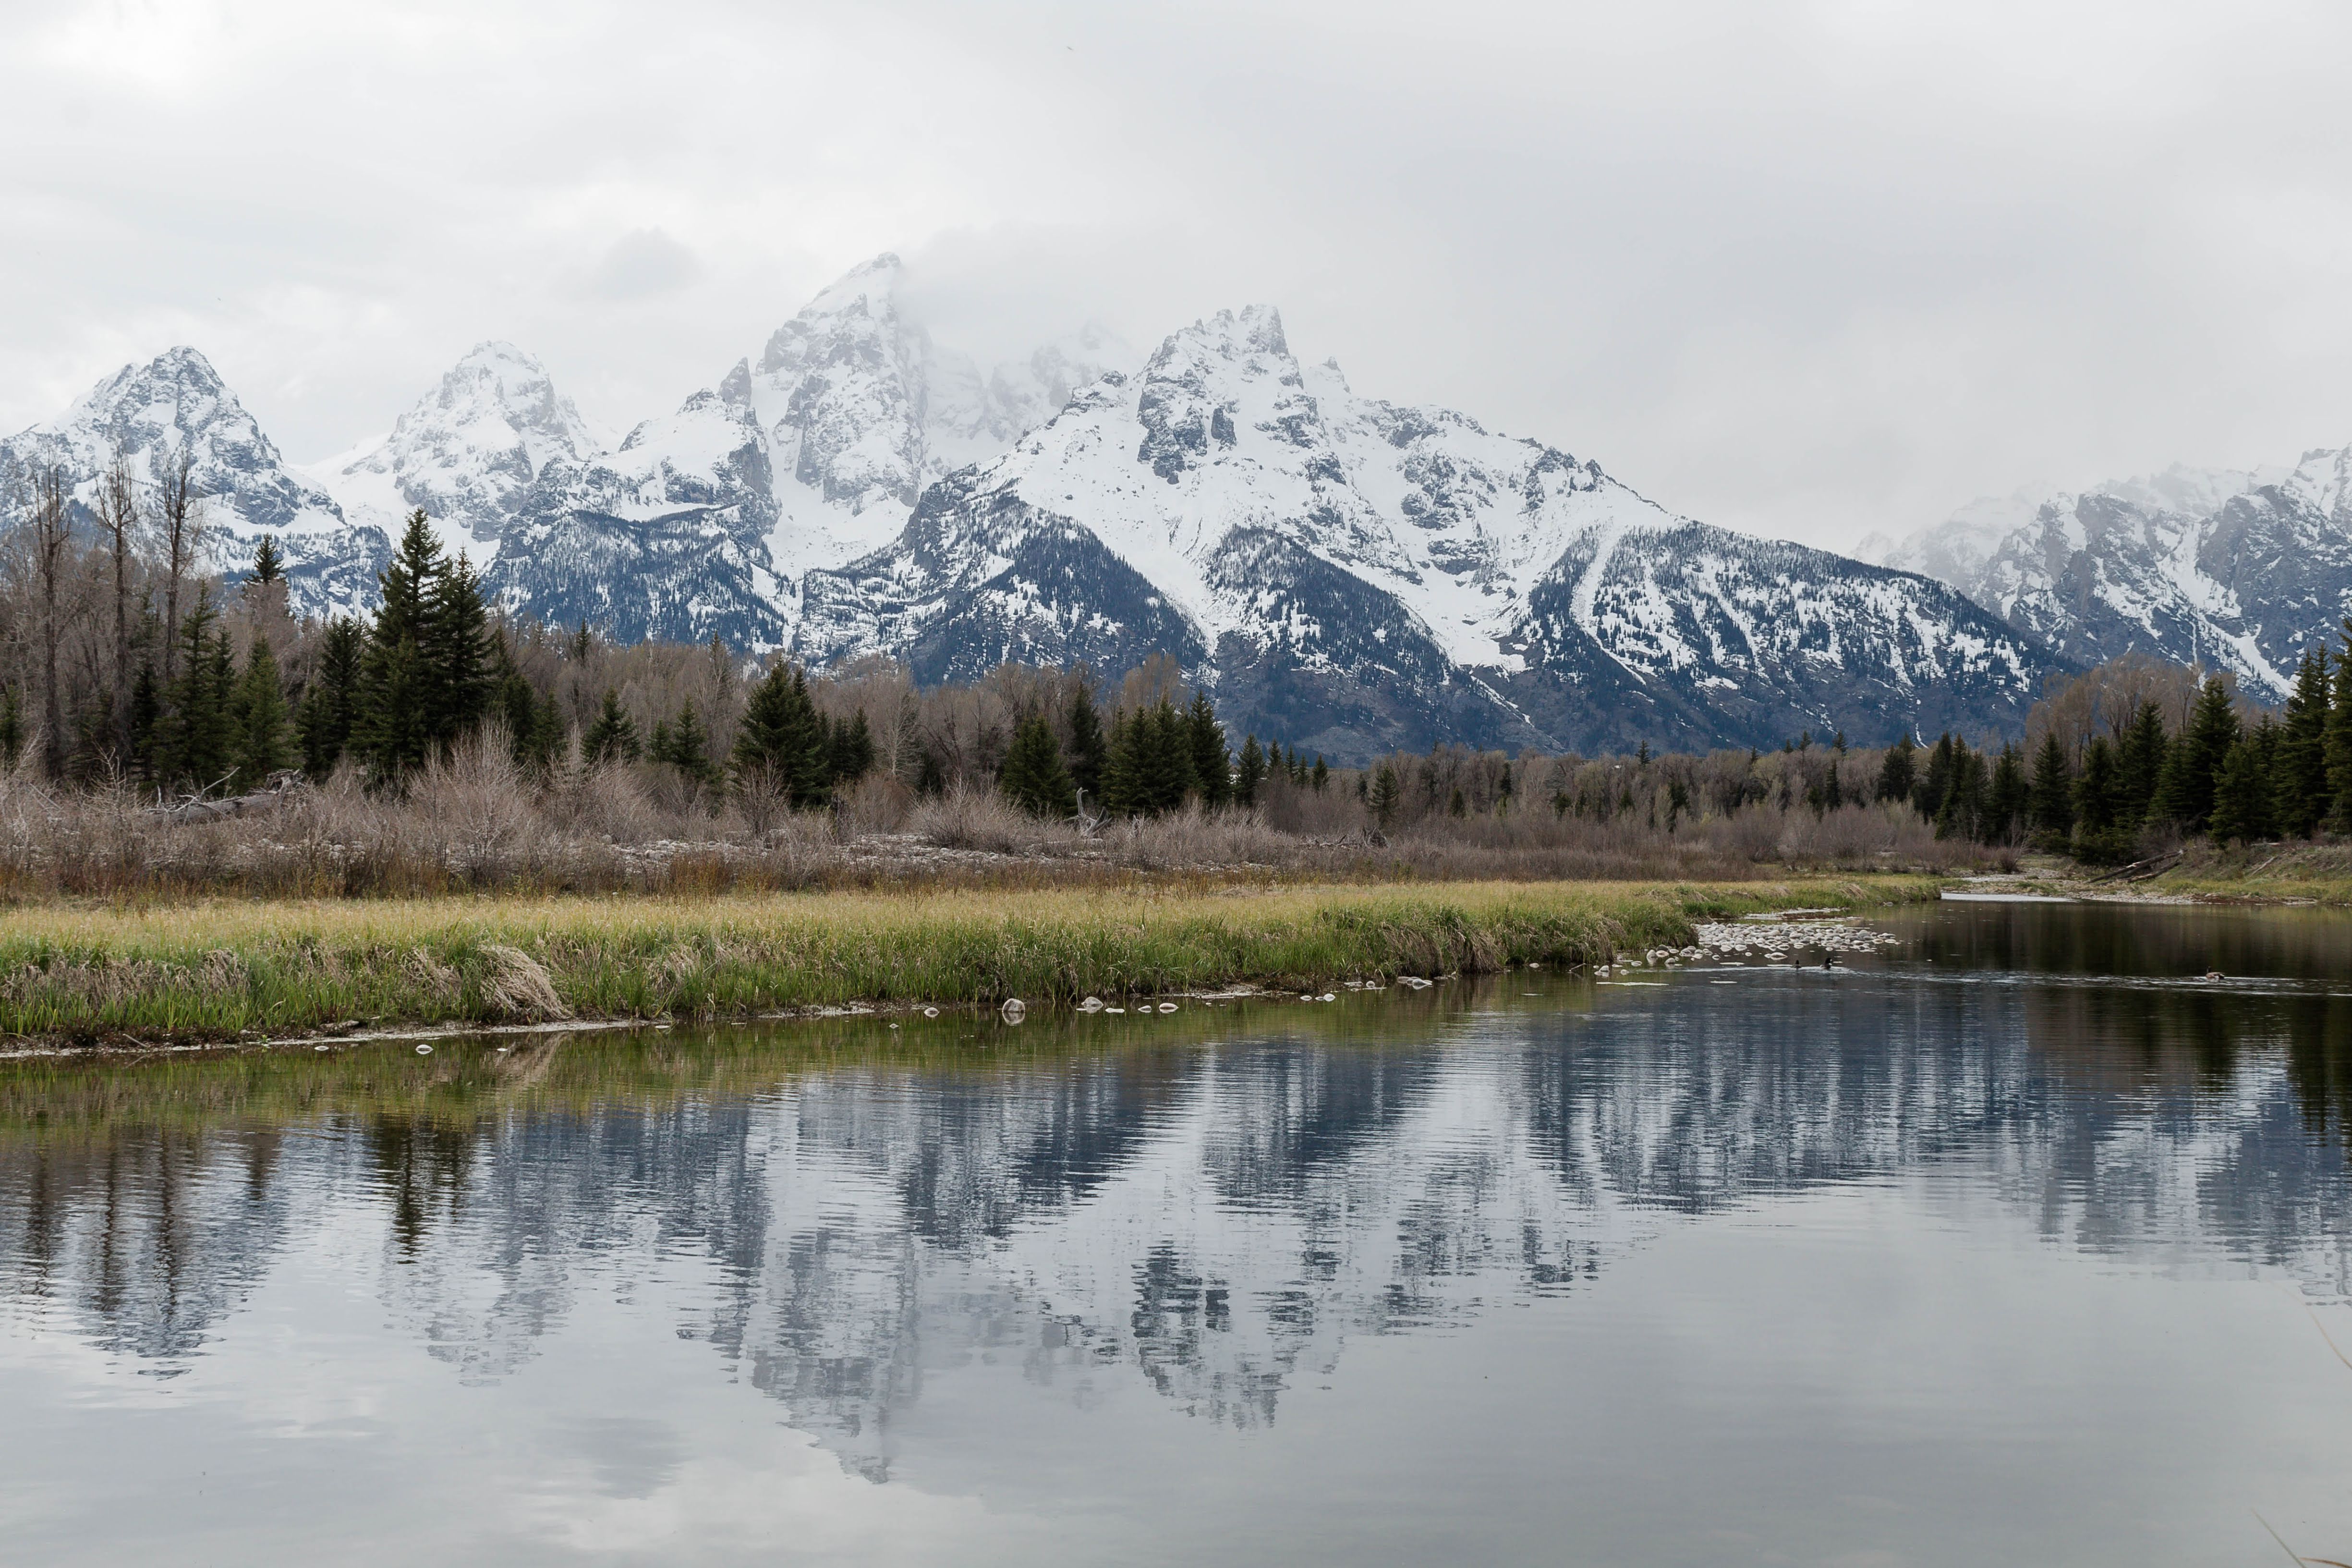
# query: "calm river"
2023,1243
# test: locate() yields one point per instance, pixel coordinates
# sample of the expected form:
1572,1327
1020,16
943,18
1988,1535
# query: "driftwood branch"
204,806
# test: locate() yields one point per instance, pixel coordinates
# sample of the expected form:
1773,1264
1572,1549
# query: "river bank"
2196,873
245,971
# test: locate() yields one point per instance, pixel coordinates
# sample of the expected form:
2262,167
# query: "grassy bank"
200,971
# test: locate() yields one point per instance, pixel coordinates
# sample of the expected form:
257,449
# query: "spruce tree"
2009,798
459,654
1088,749
1250,773
1033,776
2300,782
2098,807
202,750
2139,766
1169,774
330,707
2053,807
782,739
1962,813
689,746
261,720
1934,786
1321,777
2340,739
2190,771
2240,807
398,689
850,751
1123,793
1205,739
612,737
1895,773
1385,794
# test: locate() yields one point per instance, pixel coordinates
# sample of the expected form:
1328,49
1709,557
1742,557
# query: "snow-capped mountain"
465,453
174,404
852,409
1348,574
2242,569
1358,575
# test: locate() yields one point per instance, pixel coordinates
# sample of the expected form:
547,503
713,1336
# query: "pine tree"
614,736
201,751
330,707
2300,782
1089,750
2139,766
2340,739
1169,774
2052,805
268,565
457,650
2240,807
1250,773
689,746
1934,786
851,753
517,706
1321,777
782,739
260,719
2009,798
394,725
1962,814
1894,773
2099,805
2190,771
1386,793
1122,777
1205,740
1033,776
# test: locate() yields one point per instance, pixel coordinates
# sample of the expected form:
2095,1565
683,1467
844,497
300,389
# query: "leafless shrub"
965,818
517,986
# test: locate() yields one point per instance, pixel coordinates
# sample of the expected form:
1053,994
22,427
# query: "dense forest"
125,668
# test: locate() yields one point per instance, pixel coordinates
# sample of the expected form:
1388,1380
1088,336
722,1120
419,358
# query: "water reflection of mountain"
1216,1218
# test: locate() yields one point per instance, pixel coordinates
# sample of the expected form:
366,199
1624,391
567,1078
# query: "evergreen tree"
2139,767
1205,739
688,749
2098,807
201,751
1033,776
1168,774
517,706
268,566
1385,794
1249,773
2009,798
1089,750
2185,792
260,719
12,725
1895,774
851,753
1934,786
2240,808
2300,782
783,737
1122,786
614,736
330,707
2052,805
1962,814
146,714
459,651
1321,777
2339,739
394,725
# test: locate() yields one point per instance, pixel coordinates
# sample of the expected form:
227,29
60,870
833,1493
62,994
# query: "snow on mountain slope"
1360,575
862,410
177,403
465,452
2239,568
665,537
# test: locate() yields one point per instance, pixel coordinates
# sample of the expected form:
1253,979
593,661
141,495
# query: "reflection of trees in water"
1217,1222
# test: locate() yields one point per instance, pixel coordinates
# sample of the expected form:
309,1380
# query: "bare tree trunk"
183,530
50,524
120,513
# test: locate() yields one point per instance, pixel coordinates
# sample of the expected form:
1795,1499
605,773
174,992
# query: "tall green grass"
204,972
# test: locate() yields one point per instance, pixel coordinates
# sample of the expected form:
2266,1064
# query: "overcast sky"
1808,270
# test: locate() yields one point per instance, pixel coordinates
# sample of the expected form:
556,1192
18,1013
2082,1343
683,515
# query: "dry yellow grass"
214,970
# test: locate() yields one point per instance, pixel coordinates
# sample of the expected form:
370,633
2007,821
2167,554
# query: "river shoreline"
248,973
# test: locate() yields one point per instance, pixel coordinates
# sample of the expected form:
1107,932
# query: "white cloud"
1810,268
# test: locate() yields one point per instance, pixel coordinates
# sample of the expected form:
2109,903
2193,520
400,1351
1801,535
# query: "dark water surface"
2019,1246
